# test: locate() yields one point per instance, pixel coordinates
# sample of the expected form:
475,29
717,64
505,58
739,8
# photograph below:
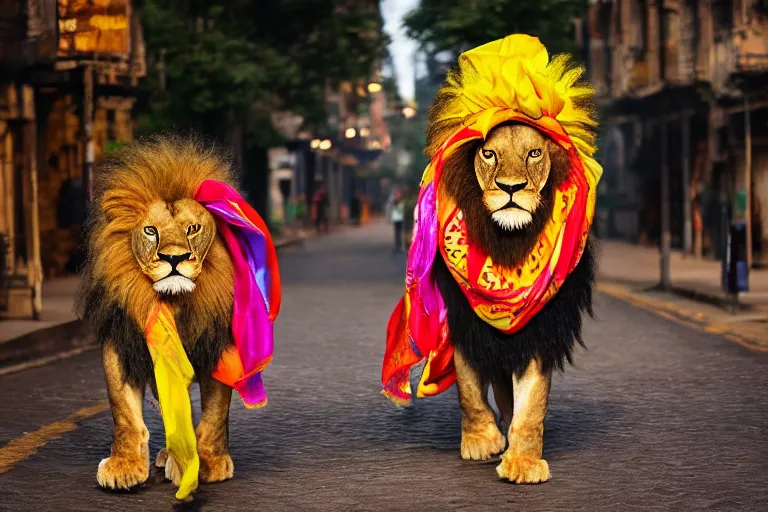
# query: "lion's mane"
115,297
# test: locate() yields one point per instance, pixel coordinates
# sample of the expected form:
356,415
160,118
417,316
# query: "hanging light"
409,112
364,132
325,145
315,143
374,87
350,133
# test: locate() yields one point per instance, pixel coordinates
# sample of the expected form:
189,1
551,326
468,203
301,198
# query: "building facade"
69,72
682,86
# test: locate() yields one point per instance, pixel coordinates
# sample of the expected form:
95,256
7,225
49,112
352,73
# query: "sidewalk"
638,267
631,272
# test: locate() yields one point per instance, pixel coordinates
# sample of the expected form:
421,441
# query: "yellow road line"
671,312
24,447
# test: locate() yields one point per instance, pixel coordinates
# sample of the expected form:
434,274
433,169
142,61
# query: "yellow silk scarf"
173,375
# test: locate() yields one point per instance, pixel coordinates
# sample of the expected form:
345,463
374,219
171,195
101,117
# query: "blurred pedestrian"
354,209
396,217
321,207
300,211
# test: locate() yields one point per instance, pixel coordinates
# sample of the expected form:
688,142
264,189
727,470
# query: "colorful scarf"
511,79
256,305
173,375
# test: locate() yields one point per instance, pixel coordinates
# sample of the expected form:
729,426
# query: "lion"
505,185
150,241
503,175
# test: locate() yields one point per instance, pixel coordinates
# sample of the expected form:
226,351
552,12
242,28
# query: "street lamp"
409,112
374,87
364,132
350,133
325,145
315,143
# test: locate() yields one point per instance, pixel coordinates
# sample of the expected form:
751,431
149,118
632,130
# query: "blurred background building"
683,90
68,77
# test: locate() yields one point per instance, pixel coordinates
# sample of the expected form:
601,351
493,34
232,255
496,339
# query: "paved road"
654,416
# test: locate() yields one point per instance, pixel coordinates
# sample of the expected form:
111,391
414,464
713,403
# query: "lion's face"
512,167
171,243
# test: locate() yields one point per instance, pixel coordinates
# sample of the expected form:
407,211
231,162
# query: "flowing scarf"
256,305
509,80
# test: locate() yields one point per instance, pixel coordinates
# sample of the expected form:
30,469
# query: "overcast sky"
402,48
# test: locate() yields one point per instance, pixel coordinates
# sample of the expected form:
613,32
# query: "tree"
222,67
459,26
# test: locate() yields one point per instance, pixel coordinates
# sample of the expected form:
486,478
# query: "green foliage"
212,64
459,26
113,146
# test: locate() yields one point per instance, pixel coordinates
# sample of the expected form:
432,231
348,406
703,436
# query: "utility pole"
686,164
748,176
665,236
87,124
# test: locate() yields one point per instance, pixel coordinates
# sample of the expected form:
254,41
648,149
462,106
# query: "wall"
62,158
760,194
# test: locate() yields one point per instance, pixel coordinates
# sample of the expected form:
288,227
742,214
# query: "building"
69,72
674,79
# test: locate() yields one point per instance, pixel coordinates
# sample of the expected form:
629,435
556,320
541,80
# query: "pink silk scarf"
257,291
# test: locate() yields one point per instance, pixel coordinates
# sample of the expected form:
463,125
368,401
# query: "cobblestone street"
653,416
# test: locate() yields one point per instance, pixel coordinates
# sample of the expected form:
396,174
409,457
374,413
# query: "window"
111,132
722,16
689,39
638,28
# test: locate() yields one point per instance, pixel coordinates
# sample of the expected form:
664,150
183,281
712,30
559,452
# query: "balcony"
752,62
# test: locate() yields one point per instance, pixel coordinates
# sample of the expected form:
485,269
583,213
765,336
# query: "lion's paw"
216,468
122,472
162,457
523,470
482,445
172,470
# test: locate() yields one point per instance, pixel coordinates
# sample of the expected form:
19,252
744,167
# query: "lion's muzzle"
174,284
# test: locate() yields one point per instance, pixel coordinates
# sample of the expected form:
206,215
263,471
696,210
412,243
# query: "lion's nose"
511,189
174,260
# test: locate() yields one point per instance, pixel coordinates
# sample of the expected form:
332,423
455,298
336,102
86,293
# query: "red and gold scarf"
508,80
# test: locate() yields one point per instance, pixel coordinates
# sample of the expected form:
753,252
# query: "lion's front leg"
522,462
128,465
480,437
213,431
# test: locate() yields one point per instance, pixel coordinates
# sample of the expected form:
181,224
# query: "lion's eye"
534,153
488,154
193,229
150,230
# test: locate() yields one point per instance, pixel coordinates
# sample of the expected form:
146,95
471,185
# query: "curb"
669,311
288,243
41,344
